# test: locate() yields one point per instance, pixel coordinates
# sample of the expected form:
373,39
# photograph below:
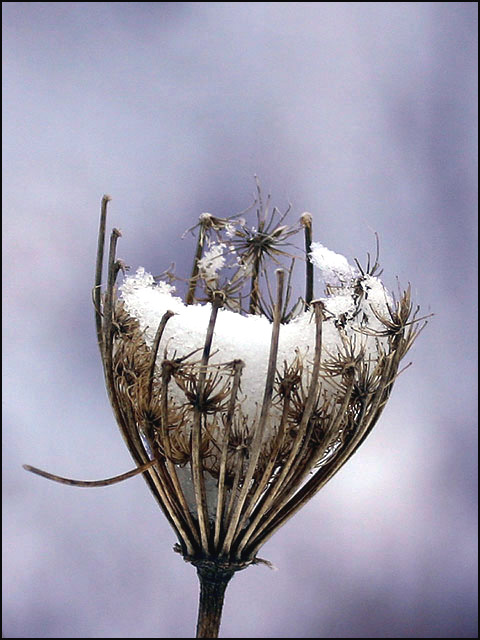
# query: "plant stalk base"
213,582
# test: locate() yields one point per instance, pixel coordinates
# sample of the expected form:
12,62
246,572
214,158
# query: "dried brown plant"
225,479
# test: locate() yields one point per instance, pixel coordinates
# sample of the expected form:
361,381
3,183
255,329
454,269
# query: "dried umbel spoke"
239,403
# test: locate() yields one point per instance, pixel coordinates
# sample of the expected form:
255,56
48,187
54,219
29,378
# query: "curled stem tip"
90,483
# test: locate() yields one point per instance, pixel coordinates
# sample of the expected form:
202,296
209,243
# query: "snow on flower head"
249,396
353,304
334,267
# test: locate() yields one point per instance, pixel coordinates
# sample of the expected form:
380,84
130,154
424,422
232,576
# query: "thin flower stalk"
306,221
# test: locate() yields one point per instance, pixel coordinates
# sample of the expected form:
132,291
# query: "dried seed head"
240,399
231,442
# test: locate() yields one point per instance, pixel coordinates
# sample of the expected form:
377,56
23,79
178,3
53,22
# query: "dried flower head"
236,405
246,408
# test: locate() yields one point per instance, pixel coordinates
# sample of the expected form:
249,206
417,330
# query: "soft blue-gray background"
363,114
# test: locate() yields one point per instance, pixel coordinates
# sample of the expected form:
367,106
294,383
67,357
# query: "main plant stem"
213,582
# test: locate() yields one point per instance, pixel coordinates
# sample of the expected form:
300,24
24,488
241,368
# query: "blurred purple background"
363,114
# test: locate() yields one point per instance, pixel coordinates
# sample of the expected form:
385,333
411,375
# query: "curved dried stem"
156,344
90,483
368,416
238,366
168,455
255,448
205,222
124,415
275,487
97,294
196,436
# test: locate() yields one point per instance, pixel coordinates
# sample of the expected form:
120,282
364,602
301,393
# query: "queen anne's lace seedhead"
239,403
247,403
